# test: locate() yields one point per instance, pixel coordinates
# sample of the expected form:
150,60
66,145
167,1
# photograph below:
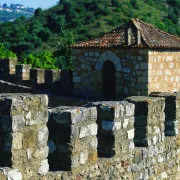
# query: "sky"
44,4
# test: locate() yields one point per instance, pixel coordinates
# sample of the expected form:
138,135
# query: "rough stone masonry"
24,134
101,140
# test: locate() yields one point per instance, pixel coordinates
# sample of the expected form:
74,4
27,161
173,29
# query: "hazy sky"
32,3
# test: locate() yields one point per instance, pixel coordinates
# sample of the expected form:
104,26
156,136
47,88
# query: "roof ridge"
135,22
157,29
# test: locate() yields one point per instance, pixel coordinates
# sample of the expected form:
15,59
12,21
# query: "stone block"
23,72
82,59
73,131
149,114
8,67
143,65
110,126
115,127
44,167
89,130
126,69
23,140
52,75
98,66
97,54
37,76
76,79
118,67
172,114
10,174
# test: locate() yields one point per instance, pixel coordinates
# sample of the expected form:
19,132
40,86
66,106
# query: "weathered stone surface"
130,134
80,138
37,76
125,69
21,141
89,130
172,114
8,68
23,72
113,116
9,174
109,125
44,167
77,79
149,114
74,131
52,76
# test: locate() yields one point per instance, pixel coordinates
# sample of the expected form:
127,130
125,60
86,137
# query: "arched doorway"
109,80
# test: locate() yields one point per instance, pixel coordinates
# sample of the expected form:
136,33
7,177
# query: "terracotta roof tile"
135,33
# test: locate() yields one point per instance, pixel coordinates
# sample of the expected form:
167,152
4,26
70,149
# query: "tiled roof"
135,33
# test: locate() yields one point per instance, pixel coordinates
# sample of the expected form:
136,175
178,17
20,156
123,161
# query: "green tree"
38,12
44,34
62,2
63,55
55,23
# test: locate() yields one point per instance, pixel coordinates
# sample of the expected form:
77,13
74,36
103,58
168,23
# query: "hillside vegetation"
77,20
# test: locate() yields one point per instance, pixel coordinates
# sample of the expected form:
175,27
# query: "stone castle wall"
45,80
164,73
21,73
137,138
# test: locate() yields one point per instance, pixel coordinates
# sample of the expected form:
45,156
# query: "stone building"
134,59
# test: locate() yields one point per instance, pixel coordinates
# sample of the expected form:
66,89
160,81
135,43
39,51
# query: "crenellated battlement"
44,80
11,70
130,139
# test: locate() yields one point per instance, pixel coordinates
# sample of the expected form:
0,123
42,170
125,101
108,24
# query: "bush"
42,60
5,53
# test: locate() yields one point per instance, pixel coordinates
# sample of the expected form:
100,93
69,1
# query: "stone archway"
109,81
108,55
115,60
